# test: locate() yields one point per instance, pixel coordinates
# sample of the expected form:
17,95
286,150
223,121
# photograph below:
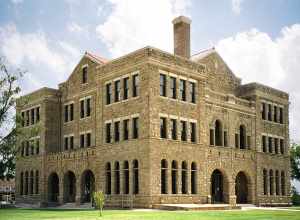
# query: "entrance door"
241,188
217,187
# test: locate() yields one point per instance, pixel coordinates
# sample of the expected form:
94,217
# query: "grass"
47,214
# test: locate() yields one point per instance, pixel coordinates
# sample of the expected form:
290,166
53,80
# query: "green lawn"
33,214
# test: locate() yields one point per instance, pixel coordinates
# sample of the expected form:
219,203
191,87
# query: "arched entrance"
241,188
217,185
53,187
69,187
87,186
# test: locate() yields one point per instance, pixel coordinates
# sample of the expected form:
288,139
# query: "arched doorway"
241,188
217,184
53,187
87,186
69,187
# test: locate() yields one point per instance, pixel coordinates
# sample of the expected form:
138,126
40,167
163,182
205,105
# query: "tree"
9,121
99,198
295,161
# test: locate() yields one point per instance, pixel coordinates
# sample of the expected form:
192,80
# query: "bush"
99,199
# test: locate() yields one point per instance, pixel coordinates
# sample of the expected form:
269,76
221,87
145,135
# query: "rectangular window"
173,87
264,143
182,89
84,74
23,119
135,125
125,129
163,127
192,92
82,109
108,93
183,130
263,112
125,88
66,113
275,113
193,131
72,142
117,131
270,112
32,116
281,146
237,144
211,137
88,139
108,132
71,112
37,114
135,85
66,143
174,129
225,139
163,85
281,115
82,141
117,90
88,107
27,117
270,145
276,145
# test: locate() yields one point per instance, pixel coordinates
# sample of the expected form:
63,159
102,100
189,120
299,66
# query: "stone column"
122,180
169,179
78,190
188,181
61,191
179,181
231,193
130,178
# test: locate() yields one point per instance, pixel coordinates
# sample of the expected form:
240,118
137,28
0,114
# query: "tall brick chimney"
182,42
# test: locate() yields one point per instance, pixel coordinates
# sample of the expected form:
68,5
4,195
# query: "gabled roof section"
202,54
95,58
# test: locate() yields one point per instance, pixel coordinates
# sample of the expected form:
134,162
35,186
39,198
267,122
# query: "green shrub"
99,198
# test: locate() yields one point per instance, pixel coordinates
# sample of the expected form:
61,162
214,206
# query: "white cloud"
47,63
133,24
236,6
255,56
74,27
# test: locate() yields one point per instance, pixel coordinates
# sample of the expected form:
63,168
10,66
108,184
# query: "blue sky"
259,39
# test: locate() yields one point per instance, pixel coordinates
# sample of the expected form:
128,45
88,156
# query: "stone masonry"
151,128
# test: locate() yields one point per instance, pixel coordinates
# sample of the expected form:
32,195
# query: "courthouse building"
152,128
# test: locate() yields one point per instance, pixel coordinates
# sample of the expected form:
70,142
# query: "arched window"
218,133
184,177
265,181
135,177
126,177
174,177
277,182
242,137
271,177
21,183
26,183
193,178
164,177
36,182
117,178
31,183
108,179
282,183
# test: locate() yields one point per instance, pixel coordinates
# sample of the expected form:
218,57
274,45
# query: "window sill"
122,101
